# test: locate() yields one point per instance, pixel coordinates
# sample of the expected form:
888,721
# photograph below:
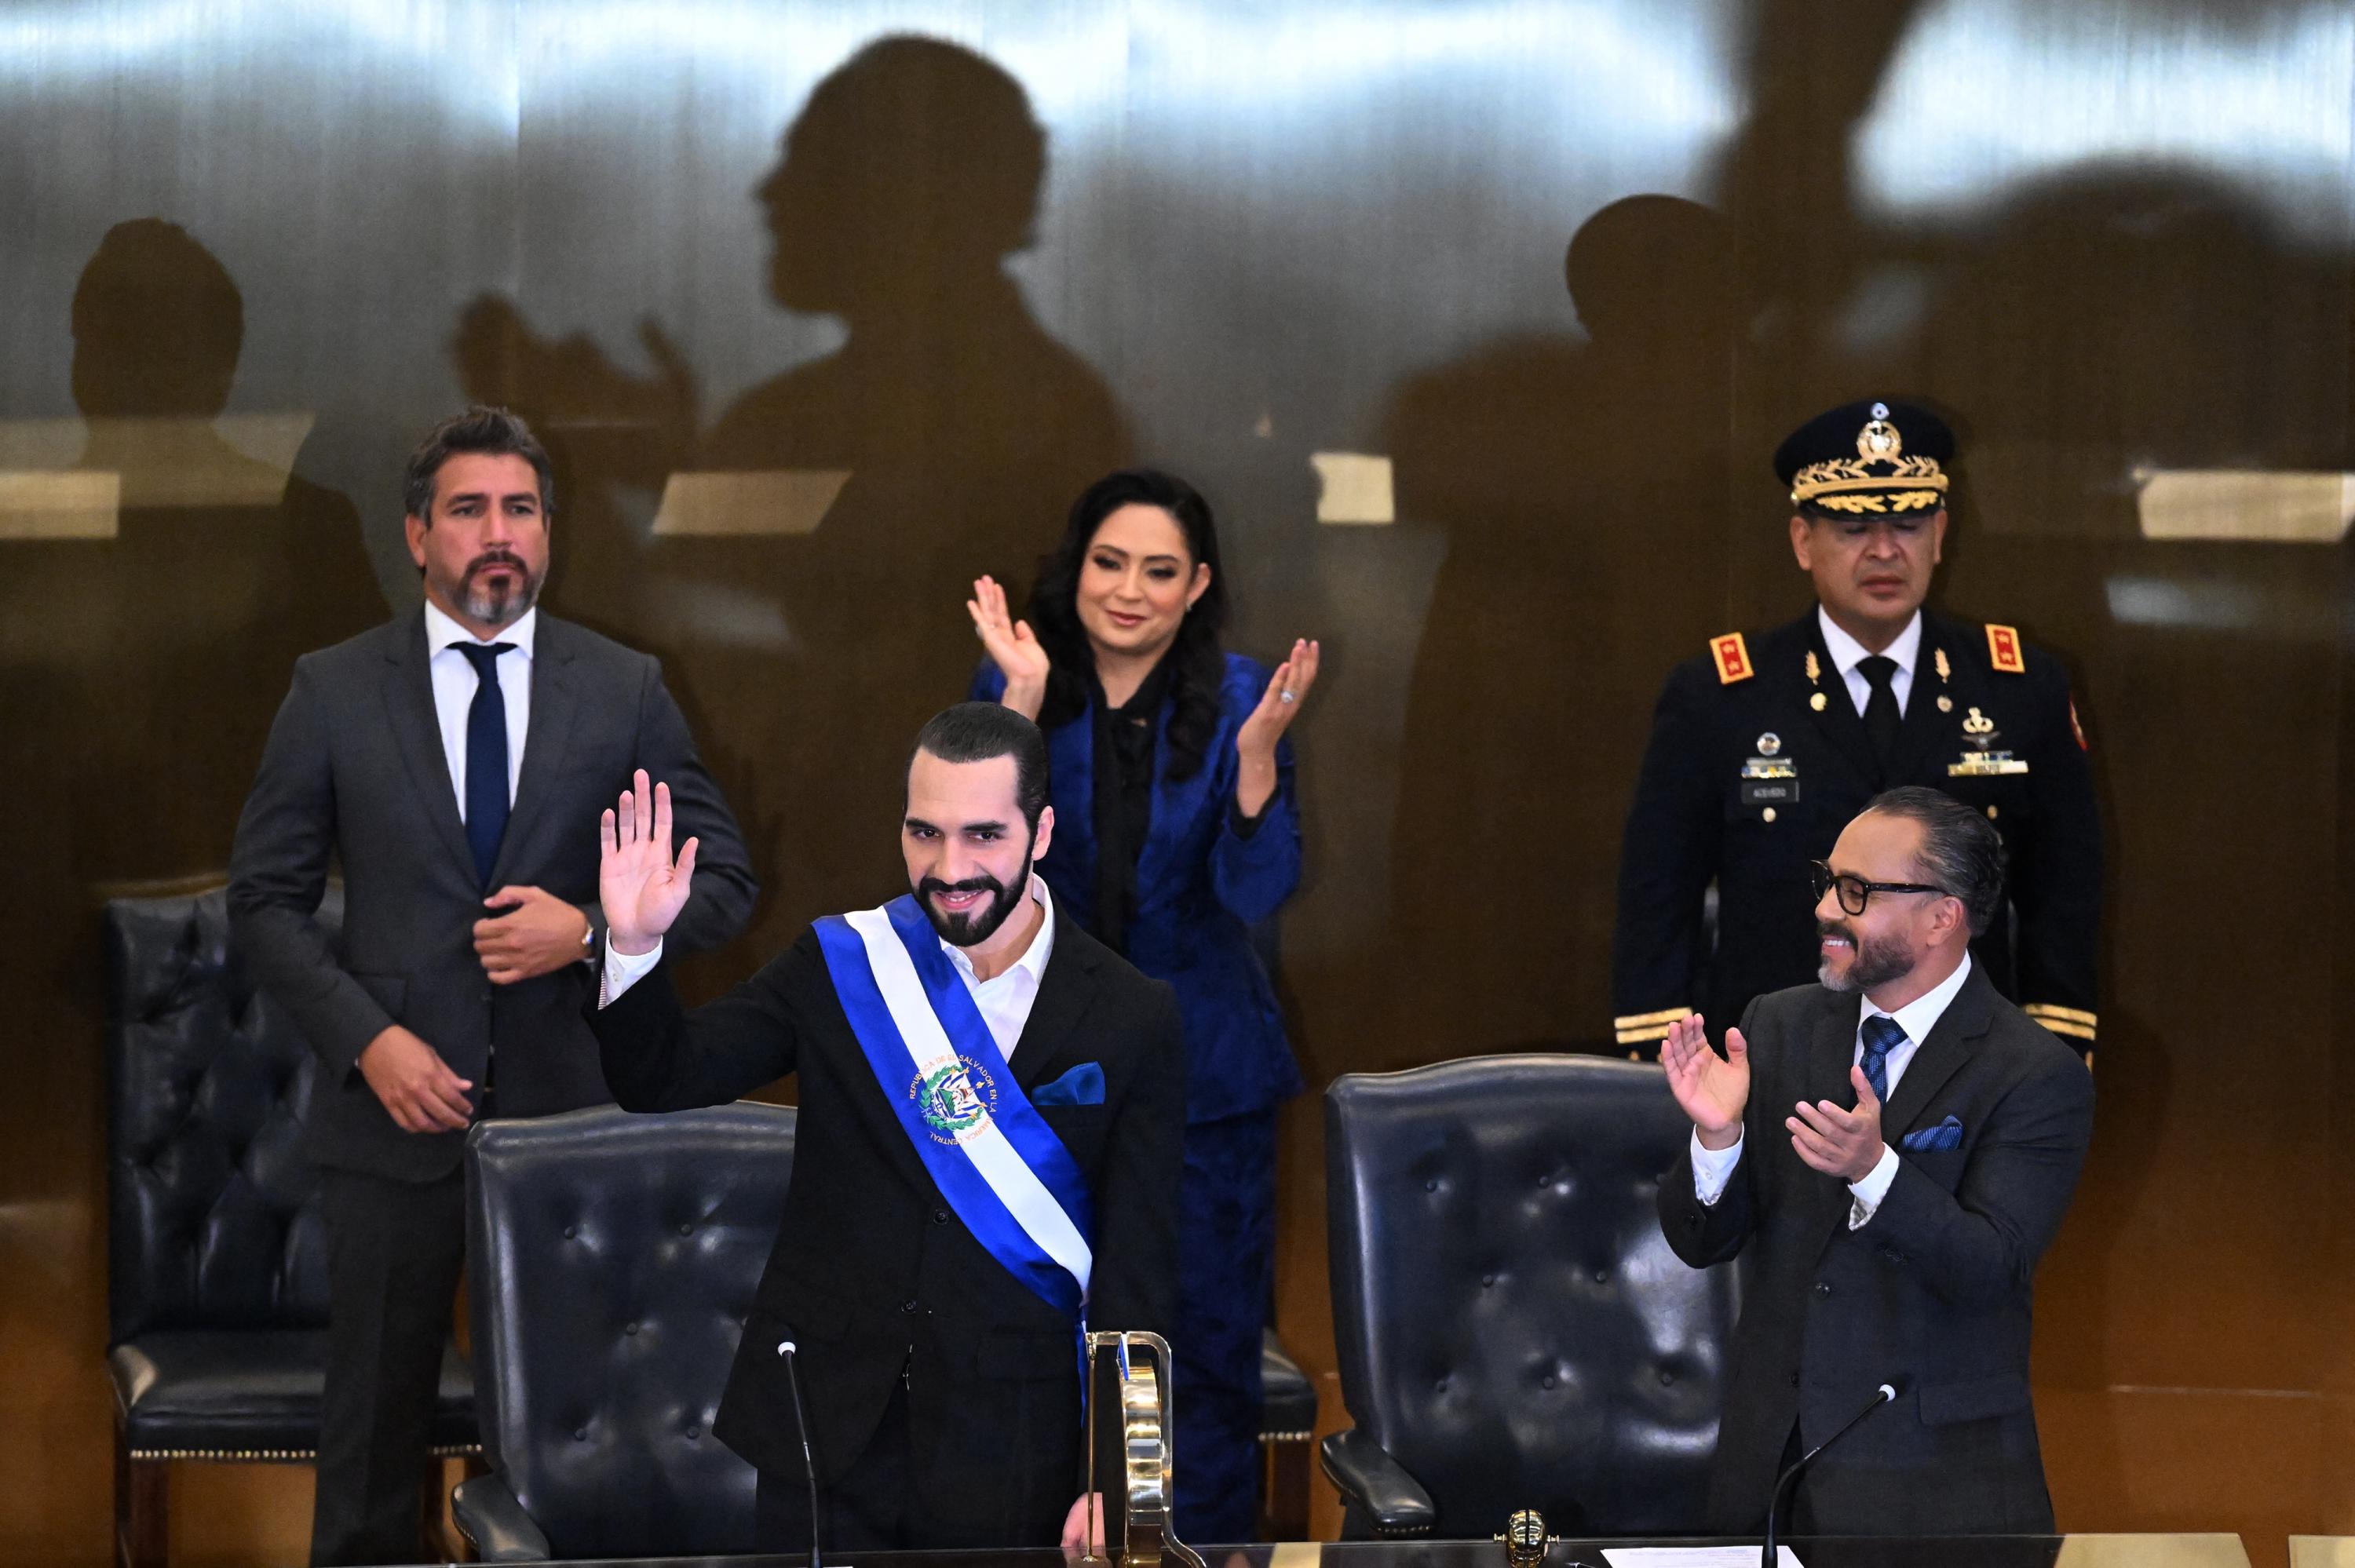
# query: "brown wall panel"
752,252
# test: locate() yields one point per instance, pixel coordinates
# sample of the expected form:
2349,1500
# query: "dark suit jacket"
873,1271
1695,818
1933,1294
355,773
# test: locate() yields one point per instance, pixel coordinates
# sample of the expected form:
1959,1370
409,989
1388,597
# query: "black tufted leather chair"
217,1284
1513,1330
611,1259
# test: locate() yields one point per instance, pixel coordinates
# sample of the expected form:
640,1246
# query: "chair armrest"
488,1514
1377,1484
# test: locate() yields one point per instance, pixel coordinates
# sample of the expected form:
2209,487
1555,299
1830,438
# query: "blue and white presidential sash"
987,1149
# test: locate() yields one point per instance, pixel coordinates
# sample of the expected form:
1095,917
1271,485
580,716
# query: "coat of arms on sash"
954,1099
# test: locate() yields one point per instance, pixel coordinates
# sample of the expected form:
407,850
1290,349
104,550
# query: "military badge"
1979,758
1732,656
2004,650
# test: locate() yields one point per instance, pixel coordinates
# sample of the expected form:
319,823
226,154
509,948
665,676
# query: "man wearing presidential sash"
988,1150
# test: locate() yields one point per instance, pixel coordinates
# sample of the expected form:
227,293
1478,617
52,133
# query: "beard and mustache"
978,925
497,606
1873,964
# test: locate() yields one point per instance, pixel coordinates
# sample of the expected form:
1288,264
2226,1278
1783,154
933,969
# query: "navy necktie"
486,757
1882,1034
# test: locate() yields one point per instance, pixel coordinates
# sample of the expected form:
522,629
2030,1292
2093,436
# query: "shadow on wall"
807,569
1579,487
171,627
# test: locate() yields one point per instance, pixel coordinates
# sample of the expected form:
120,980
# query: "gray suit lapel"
417,734
545,742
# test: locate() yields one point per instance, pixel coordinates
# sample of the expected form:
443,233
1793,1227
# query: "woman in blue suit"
1176,830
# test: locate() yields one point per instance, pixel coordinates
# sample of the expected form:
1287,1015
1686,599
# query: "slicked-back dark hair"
1961,852
975,732
1198,664
489,431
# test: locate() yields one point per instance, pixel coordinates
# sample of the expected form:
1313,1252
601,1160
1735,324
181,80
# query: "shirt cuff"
1243,827
1712,1169
1864,1196
623,970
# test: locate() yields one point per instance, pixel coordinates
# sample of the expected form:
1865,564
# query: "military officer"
1764,746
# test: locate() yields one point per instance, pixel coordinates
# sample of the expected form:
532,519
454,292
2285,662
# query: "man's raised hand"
641,889
1711,1090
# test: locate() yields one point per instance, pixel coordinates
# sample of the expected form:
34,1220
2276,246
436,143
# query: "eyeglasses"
1855,892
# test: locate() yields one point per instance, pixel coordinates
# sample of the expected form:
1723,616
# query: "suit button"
694,1432
629,1328
1795,1380
940,1217
907,1307
1823,1287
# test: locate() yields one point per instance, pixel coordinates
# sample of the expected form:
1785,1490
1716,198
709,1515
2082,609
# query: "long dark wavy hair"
1195,661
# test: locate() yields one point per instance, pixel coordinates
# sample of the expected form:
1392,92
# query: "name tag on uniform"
1770,792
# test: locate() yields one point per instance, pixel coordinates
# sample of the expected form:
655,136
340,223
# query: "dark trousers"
890,1499
394,1253
865,1509
1226,1276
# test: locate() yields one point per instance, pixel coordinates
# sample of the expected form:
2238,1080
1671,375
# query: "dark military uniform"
1758,759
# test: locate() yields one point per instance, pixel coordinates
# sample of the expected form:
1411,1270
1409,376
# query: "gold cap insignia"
1880,479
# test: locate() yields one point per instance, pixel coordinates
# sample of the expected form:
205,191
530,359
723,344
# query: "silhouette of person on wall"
910,178
223,567
1582,489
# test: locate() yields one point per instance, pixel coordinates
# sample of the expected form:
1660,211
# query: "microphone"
809,1460
1885,1395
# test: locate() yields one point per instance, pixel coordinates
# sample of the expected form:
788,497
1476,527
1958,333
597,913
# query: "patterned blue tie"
1882,1034
486,757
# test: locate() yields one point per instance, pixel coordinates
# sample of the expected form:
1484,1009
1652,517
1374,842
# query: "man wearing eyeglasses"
1896,1165
1762,750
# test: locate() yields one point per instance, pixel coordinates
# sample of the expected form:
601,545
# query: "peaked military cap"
1871,459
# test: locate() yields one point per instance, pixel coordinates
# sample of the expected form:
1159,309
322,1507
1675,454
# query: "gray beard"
487,607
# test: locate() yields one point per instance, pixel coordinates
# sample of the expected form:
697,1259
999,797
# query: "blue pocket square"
1083,1086
1947,1134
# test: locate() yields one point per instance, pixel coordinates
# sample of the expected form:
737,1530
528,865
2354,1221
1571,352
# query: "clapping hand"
1842,1143
1709,1088
640,886
1288,691
1011,646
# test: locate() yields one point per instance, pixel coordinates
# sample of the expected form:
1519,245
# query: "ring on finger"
1287,696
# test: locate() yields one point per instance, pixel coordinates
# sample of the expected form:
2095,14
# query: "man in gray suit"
1898,1161
453,761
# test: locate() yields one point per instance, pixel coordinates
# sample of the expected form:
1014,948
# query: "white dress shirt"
454,684
1713,1168
1848,654
1005,1000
